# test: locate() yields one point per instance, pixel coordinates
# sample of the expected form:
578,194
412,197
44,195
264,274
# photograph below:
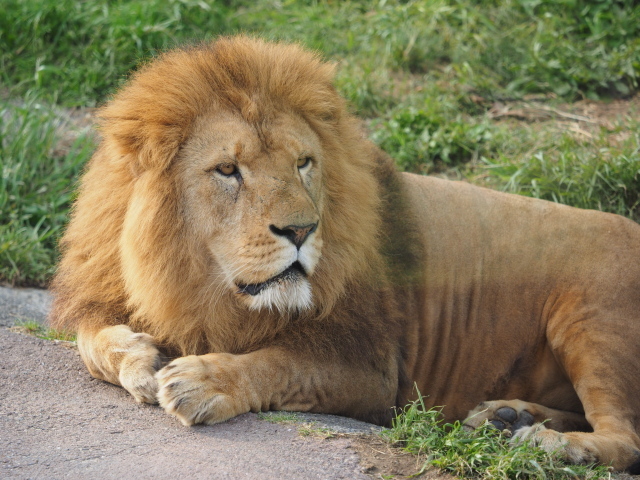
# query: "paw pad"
507,418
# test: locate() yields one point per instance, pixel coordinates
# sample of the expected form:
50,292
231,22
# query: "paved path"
58,422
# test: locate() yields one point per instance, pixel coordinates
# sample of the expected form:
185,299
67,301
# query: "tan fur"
224,165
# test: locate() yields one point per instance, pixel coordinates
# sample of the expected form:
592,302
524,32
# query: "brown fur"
471,294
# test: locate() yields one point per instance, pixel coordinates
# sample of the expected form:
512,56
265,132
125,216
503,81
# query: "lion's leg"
215,387
598,349
514,415
118,355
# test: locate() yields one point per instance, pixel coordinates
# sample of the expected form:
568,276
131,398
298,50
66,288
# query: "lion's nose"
296,234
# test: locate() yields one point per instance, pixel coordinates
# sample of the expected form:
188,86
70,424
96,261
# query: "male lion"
235,219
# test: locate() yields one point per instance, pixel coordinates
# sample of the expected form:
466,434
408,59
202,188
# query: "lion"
238,245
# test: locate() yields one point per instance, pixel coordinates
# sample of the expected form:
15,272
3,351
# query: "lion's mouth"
294,271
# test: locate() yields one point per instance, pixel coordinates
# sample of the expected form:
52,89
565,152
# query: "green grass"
483,453
601,172
306,429
77,52
430,140
36,190
423,74
31,327
279,417
610,184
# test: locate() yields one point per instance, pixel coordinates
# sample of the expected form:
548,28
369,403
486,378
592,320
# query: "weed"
76,52
30,326
305,430
426,142
311,430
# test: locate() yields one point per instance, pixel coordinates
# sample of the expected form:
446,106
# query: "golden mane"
128,211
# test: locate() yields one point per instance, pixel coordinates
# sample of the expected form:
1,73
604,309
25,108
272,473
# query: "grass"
428,140
36,189
596,169
75,53
483,453
279,417
611,184
31,327
425,74
307,429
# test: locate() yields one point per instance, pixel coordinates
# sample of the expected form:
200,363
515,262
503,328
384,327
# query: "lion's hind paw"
506,418
501,415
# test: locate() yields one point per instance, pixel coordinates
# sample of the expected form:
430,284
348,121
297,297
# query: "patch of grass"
582,46
305,429
426,141
573,47
312,430
36,190
31,327
598,175
77,52
483,453
279,417
610,185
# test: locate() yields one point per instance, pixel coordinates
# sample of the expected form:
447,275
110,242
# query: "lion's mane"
128,210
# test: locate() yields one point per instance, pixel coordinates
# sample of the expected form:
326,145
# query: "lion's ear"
152,145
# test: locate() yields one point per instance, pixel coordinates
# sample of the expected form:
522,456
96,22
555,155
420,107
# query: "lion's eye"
227,169
304,162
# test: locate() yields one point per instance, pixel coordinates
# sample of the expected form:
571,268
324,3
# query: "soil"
379,459
585,119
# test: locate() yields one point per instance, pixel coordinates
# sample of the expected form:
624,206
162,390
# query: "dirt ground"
57,422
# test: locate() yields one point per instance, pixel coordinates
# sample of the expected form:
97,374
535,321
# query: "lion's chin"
286,296
288,291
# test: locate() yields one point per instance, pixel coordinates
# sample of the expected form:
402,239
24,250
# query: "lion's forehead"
225,137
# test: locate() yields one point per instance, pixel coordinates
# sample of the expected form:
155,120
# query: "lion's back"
473,223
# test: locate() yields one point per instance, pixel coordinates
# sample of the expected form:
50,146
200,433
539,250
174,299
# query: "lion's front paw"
125,358
138,368
200,389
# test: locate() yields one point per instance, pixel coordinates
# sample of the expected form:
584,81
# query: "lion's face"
253,197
